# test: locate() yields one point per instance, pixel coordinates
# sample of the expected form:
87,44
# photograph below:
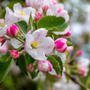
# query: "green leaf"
22,26
29,59
22,64
57,63
4,68
52,23
3,58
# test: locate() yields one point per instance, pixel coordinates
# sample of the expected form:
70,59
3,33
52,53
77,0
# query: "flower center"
22,13
2,24
34,44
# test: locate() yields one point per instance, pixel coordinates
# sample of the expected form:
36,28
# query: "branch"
75,80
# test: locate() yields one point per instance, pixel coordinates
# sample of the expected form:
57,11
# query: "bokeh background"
79,11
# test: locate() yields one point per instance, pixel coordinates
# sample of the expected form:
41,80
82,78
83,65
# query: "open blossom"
61,45
58,10
14,54
40,3
19,14
12,31
38,45
3,27
44,66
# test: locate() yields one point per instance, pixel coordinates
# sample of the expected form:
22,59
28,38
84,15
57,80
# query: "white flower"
38,45
18,14
40,3
58,10
3,27
34,3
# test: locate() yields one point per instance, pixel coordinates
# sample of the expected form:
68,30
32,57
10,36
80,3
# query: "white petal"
39,34
10,18
47,45
29,40
17,7
37,54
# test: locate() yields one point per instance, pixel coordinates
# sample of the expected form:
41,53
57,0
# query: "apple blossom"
83,64
44,66
57,10
82,71
61,45
19,14
12,31
3,27
14,54
38,16
38,45
79,52
2,39
30,68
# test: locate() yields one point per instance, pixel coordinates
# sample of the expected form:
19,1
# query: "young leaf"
22,64
22,26
52,23
4,68
57,63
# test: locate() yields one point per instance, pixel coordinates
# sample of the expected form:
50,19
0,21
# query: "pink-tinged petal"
39,34
4,48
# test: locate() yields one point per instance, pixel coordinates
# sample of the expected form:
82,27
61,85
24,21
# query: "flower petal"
15,43
40,34
47,45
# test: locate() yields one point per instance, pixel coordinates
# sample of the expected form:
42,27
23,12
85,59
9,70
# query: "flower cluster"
38,32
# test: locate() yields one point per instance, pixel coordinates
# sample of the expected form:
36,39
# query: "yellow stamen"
2,24
34,44
22,13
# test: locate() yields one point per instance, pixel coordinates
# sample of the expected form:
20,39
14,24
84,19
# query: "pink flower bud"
14,54
82,71
61,45
38,16
44,66
79,53
2,39
69,33
30,67
12,31
45,7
